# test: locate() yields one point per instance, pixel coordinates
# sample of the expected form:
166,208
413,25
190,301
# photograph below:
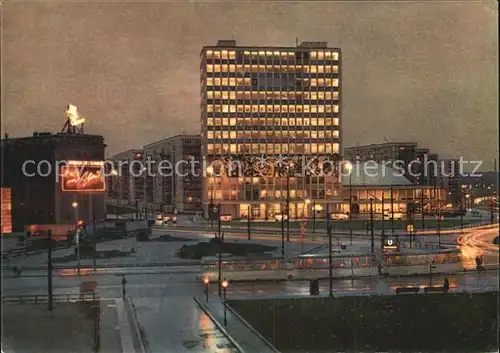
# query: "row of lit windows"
272,108
273,121
218,134
272,95
274,68
239,81
231,55
277,148
235,183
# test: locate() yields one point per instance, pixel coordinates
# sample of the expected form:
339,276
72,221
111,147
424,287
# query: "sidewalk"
249,340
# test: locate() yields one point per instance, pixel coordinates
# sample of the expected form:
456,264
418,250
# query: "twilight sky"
422,71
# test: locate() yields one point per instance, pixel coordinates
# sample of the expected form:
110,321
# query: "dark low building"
32,168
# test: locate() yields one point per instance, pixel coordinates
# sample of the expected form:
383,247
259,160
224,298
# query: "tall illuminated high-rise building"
261,106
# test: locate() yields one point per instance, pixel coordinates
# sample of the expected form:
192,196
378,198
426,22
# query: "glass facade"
269,103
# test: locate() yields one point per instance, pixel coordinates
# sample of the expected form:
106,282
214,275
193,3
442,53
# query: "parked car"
339,216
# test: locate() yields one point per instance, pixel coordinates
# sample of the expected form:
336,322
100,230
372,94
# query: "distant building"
125,178
31,166
179,188
260,103
159,176
6,204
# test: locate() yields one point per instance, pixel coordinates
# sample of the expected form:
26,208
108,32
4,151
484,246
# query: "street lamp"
206,282
225,283
74,204
371,227
348,167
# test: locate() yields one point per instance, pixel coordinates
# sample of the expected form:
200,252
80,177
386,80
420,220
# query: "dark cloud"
424,71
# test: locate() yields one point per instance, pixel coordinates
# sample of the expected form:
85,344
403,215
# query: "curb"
273,348
218,324
134,327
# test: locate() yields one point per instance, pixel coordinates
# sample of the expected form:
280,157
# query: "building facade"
177,187
125,178
265,109
42,192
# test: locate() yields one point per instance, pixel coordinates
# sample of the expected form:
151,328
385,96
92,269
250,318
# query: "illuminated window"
232,121
262,53
248,108
262,148
314,121
306,121
210,122
218,121
313,69
321,109
314,55
218,134
210,148
224,54
232,109
210,54
335,122
314,134
321,148
335,134
269,109
210,108
225,134
269,53
328,54
335,56
306,108
217,68
225,108
284,109
210,94
321,134
315,95
314,148
284,148
255,108
335,108
314,109
224,68
321,121
210,134
298,108
328,148
232,55
217,108
328,82
321,55
335,95
210,81
335,69
335,82
299,121
216,81
232,148
225,121
335,148
291,121
232,134
321,69
232,81
210,68
232,95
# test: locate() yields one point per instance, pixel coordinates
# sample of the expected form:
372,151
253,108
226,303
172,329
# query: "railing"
44,298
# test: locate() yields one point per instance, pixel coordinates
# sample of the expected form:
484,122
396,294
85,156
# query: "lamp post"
206,282
308,202
371,227
74,204
49,266
288,203
225,283
314,217
330,274
219,237
348,167
248,224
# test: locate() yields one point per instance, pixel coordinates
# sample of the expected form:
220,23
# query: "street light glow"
225,283
205,280
348,166
308,201
74,204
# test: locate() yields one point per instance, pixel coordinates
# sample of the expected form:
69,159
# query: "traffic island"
88,254
166,238
213,247
458,322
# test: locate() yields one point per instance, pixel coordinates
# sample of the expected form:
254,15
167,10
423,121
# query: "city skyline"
135,74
